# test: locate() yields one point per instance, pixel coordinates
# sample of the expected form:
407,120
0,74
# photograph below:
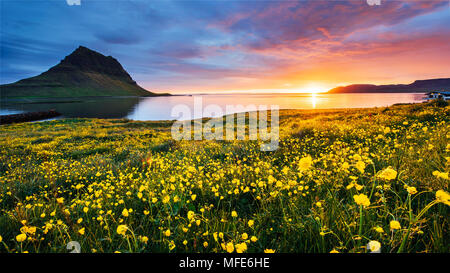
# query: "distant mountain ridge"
417,86
82,73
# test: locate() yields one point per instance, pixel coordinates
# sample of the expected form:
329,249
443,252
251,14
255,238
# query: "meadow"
350,180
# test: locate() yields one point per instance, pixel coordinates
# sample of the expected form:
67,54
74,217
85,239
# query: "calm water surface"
159,108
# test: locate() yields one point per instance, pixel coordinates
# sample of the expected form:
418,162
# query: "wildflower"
1,239
122,229
374,246
441,175
251,223
305,163
240,248
244,236
190,215
230,247
319,204
125,213
361,166
394,225
185,242
443,196
144,239
253,239
362,200
388,174
334,251
234,213
81,231
411,190
193,197
166,199
167,233
60,200
21,237
378,229
267,250
205,244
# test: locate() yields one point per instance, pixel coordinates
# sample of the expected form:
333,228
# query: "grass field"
341,180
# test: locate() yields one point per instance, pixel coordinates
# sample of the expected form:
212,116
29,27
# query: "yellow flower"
378,229
234,213
411,190
230,247
190,215
167,232
122,229
144,239
253,239
205,244
60,200
394,225
374,246
251,223
21,237
1,239
193,197
240,248
267,250
305,163
388,174
361,166
125,213
81,231
443,196
319,204
334,251
244,236
362,199
166,199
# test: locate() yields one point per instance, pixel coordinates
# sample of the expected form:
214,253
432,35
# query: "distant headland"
83,73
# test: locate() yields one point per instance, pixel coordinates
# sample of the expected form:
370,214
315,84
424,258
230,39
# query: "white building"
437,95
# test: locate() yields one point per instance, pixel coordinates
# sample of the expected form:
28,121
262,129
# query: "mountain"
418,86
82,73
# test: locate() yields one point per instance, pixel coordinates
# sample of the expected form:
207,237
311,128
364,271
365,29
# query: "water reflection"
159,108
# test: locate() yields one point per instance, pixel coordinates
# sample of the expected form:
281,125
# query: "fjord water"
160,108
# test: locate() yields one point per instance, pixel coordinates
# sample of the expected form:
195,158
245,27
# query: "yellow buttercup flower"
411,190
362,199
230,247
190,215
443,196
21,237
122,229
251,223
240,248
81,231
60,200
125,213
387,174
234,214
305,163
144,239
167,233
394,225
267,250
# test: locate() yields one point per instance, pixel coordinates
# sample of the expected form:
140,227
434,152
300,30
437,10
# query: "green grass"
104,168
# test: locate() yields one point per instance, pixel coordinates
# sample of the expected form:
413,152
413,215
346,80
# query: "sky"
214,46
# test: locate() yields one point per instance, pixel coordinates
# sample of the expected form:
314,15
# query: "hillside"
418,86
82,73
